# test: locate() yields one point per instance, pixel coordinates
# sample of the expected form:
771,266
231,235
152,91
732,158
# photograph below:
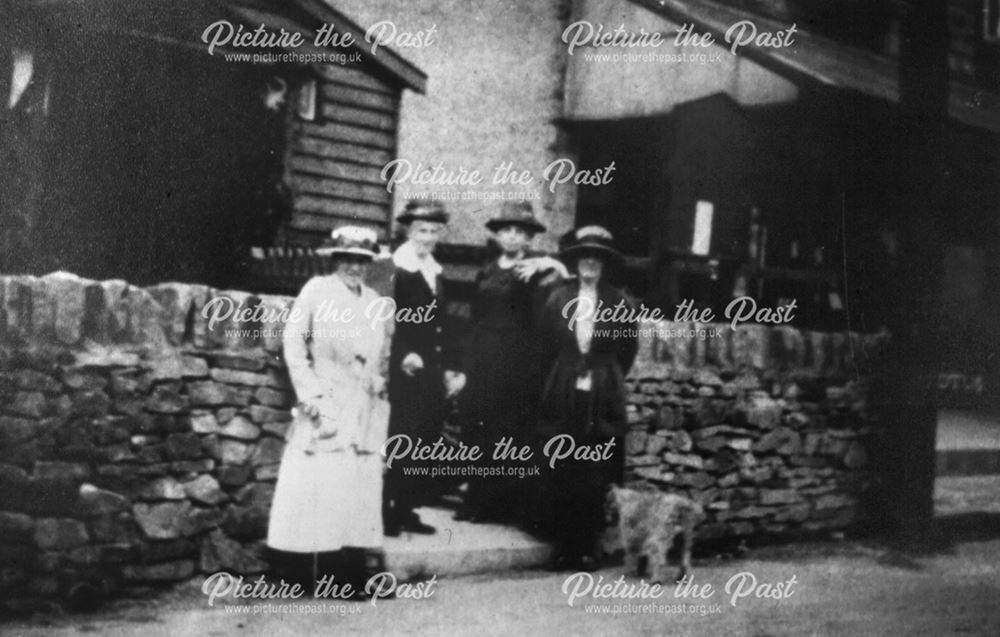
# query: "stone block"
162,521
781,438
241,361
711,444
162,572
95,501
237,377
241,429
739,444
274,398
245,522
183,446
30,404
187,467
152,552
205,490
177,367
35,381
234,475
264,415
203,422
751,345
221,553
59,533
266,473
635,442
180,302
14,431
114,527
706,378
762,414
269,451
128,382
166,400
697,480
779,496
277,429
644,460
90,403
211,393
234,451
793,513
833,501
683,460
165,488
16,527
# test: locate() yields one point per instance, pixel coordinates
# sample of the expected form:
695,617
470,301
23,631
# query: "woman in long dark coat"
584,393
501,358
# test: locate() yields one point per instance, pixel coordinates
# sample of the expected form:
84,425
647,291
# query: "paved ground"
955,495
846,588
967,430
968,443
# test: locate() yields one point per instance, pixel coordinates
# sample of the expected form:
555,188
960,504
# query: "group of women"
533,369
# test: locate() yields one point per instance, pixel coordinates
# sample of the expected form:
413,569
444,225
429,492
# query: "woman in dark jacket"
501,360
587,349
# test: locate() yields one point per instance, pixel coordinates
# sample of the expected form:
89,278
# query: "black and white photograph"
456,317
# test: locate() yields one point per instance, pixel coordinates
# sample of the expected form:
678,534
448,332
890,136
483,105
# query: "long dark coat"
609,360
501,354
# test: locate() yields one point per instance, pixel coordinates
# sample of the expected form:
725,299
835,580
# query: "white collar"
405,257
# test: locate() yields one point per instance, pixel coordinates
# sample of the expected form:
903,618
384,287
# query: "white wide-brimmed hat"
356,240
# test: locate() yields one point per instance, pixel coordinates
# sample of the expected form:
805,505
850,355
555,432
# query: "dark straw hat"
591,240
423,210
356,240
518,213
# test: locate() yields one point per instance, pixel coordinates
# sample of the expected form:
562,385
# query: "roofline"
394,63
966,103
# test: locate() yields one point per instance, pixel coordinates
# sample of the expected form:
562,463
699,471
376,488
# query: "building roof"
821,60
182,22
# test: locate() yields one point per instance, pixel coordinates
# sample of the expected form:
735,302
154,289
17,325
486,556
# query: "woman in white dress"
326,517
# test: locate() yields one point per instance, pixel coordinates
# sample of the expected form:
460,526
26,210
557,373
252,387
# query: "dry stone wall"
137,445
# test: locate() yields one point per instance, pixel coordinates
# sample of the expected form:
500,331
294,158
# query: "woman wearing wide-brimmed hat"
501,356
586,360
326,517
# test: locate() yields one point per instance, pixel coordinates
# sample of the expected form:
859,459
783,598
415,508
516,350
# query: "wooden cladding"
335,162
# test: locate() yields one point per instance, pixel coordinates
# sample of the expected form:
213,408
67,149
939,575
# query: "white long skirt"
326,501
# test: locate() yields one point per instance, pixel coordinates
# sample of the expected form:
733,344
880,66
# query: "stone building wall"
137,445
494,96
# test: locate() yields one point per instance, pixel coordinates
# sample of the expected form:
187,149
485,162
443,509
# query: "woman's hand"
311,411
412,364
527,268
454,383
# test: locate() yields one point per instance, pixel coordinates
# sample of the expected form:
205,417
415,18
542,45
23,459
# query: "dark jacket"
612,352
418,404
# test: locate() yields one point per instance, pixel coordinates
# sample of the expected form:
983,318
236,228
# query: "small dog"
648,522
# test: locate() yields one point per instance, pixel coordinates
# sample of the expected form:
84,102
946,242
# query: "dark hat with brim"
423,210
591,240
350,240
516,214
